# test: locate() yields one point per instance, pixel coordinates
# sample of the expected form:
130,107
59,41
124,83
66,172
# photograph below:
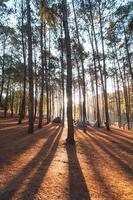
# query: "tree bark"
6,99
70,133
62,75
30,70
83,71
104,72
22,109
42,80
3,70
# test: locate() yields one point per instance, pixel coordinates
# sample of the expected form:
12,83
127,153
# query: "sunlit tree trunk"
79,87
104,70
91,18
83,71
96,77
70,133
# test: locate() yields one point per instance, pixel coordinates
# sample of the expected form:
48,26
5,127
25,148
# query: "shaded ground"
41,166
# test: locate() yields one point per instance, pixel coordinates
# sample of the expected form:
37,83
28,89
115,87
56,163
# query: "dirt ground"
42,167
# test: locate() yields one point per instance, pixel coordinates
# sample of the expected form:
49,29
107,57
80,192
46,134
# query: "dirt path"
42,167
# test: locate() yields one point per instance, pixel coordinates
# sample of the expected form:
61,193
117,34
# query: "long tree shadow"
89,151
77,183
113,155
111,134
47,150
35,183
112,137
116,133
20,142
124,133
112,140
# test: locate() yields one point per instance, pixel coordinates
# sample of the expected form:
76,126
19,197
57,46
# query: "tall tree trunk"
46,76
70,133
79,88
74,101
6,98
42,80
96,78
3,70
36,86
53,109
125,92
22,109
119,100
127,97
30,70
103,79
104,71
83,71
49,78
93,94
62,76
128,55
12,102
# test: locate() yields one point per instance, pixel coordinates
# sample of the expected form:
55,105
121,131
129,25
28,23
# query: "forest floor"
40,166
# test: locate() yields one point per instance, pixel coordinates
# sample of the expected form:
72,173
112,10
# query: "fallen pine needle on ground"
40,166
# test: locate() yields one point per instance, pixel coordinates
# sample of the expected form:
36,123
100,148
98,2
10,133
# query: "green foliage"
49,14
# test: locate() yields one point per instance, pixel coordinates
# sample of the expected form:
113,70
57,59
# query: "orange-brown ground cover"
42,167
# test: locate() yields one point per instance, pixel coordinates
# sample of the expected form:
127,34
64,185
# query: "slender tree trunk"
6,99
36,86
36,102
128,55
105,72
83,71
30,70
93,94
62,75
96,78
127,97
119,100
125,91
42,81
49,78
50,104
103,80
79,87
53,109
46,76
3,71
70,133
74,98
22,109
12,102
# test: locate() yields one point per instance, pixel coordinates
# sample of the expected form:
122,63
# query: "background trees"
82,49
